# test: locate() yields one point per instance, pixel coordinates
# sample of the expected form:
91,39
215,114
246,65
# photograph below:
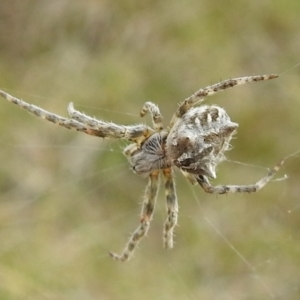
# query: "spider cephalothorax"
150,155
194,141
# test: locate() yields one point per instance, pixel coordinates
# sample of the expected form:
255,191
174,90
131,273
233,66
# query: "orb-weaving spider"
194,141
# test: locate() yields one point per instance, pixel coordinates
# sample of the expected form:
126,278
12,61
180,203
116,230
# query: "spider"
194,142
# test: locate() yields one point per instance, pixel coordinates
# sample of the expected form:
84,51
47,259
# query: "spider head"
197,142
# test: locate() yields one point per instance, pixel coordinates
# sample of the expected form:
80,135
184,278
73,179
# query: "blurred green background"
66,198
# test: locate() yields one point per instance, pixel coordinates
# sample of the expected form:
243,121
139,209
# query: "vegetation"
67,199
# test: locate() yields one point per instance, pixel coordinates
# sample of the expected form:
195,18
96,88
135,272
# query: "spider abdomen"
197,141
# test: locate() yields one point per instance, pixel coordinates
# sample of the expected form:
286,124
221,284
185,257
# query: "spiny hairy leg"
251,188
213,89
136,133
146,217
155,114
83,123
41,113
172,209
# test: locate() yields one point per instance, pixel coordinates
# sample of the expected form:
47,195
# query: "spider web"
68,219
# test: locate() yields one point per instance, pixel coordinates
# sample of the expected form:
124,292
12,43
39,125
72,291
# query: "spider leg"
136,133
172,208
41,113
146,217
155,114
213,89
251,188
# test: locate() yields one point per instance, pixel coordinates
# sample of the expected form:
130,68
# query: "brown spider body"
195,142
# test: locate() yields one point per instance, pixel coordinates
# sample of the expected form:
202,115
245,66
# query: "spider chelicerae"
194,141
